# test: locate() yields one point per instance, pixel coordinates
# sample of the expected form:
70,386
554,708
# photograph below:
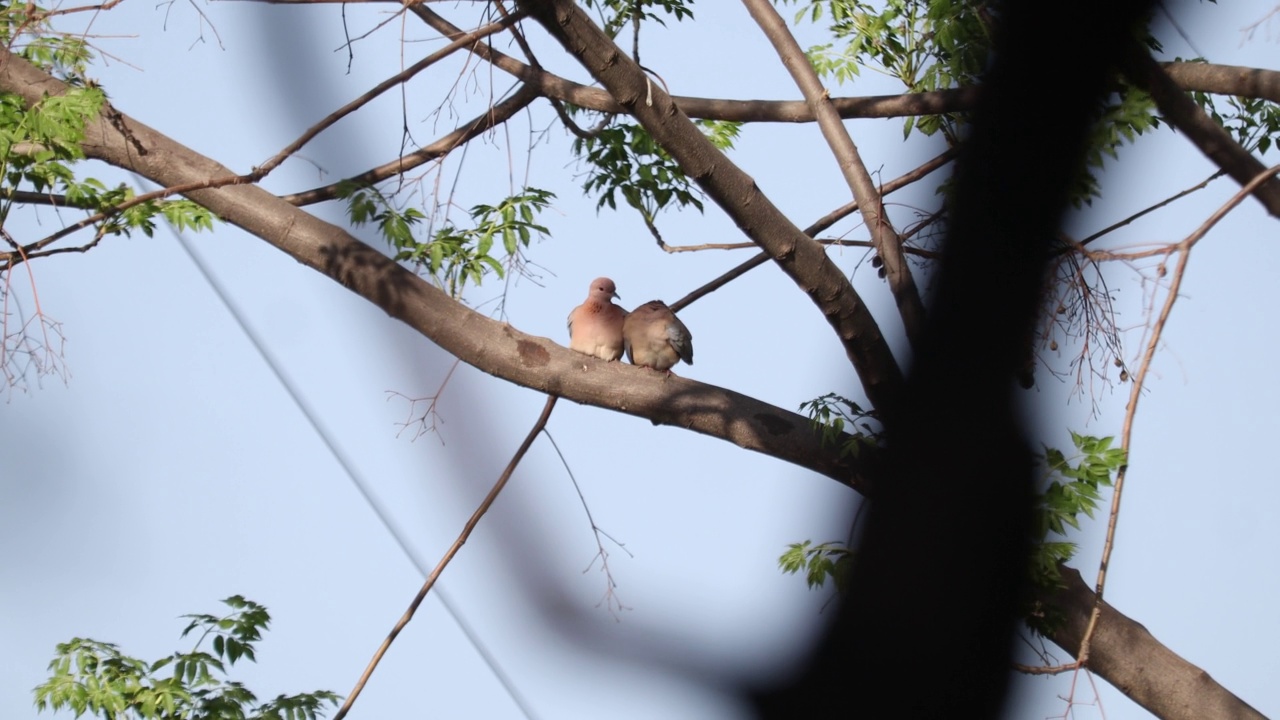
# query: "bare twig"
610,599
428,421
487,120
1183,249
444,561
1176,196
818,226
474,36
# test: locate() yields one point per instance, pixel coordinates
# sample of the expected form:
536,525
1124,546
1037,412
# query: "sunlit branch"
888,246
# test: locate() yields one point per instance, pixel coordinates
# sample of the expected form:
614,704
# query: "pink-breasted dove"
656,338
595,326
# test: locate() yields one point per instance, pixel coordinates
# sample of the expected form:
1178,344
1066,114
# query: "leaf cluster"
1253,122
25,30
818,562
40,142
615,14
624,160
833,415
925,44
1073,489
96,678
454,256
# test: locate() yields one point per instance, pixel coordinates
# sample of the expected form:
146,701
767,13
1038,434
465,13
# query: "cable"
349,468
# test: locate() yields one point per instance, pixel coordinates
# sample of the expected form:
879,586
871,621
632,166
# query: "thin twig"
830,242
610,597
399,78
818,226
453,550
1176,196
487,120
8,258
1184,252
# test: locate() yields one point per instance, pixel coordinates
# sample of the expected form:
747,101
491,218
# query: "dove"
595,326
656,338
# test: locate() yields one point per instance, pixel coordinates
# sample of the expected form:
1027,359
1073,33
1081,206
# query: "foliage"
1253,122
1072,490
625,160
615,14
938,44
454,255
96,678
925,44
40,143
829,559
831,414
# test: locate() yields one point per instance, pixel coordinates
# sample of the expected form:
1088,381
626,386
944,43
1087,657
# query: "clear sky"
173,468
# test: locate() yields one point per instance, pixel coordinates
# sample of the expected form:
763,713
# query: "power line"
354,476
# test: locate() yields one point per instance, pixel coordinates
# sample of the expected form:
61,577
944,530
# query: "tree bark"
1147,672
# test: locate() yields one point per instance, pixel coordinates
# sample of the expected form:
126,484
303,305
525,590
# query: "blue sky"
172,468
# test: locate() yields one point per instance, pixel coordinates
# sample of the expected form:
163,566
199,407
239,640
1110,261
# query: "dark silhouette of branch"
957,469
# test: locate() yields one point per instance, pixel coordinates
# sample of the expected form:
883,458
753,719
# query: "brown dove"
656,338
595,326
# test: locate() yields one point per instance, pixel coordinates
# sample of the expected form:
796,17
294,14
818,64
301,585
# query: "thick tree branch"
887,243
1214,141
491,346
797,254
1130,658
1225,79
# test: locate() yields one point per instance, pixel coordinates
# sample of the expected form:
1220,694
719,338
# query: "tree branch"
803,259
491,346
1214,141
887,243
1203,77
491,118
1126,655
